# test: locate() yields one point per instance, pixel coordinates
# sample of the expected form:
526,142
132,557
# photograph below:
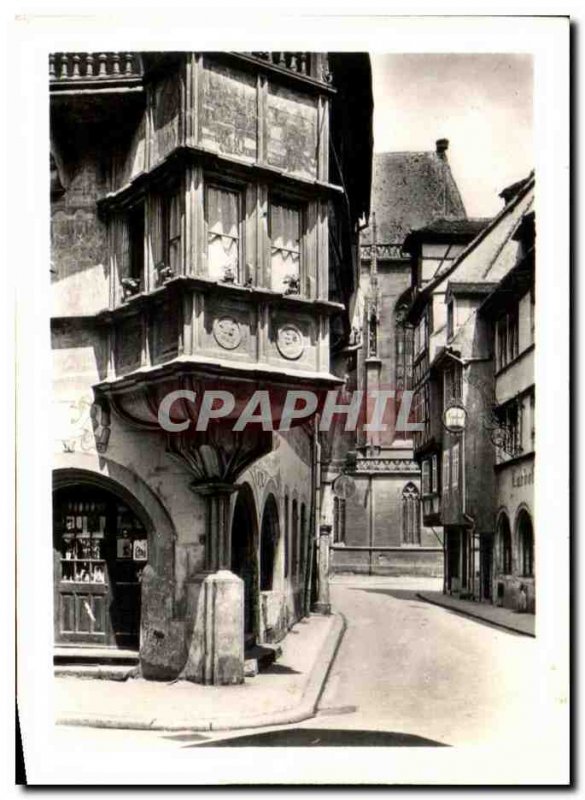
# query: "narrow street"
416,672
410,667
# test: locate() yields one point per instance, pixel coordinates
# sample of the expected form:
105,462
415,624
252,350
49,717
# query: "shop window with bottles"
83,526
224,221
285,248
100,549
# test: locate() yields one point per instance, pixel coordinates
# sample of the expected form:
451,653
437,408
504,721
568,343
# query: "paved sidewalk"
288,691
502,617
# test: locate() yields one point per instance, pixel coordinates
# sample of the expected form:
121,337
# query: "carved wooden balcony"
94,70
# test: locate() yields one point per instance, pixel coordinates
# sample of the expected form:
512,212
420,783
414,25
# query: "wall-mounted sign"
455,418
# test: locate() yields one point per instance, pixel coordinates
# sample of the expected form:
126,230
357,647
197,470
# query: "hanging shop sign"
455,418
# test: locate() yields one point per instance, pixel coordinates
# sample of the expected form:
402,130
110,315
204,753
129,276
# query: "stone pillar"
323,604
372,385
216,654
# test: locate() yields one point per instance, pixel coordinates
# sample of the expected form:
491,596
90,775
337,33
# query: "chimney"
442,147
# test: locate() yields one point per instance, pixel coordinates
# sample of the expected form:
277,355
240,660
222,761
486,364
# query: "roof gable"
410,190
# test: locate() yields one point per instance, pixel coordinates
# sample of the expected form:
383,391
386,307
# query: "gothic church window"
410,515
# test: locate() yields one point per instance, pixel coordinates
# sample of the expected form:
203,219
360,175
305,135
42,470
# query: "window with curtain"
172,213
285,248
224,223
410,514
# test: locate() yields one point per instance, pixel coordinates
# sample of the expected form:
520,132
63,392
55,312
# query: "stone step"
105,672
95,656
260,657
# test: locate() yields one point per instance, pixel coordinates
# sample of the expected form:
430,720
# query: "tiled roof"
410,190
455,227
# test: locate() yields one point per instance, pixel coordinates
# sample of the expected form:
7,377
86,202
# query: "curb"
305,709
465,613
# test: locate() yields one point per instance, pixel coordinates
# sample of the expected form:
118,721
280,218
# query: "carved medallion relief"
290,342
227,332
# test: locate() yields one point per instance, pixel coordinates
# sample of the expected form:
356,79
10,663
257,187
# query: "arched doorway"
504,545
525,544
269,537
100,547
244,559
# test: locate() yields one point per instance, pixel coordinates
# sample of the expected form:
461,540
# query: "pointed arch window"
410,515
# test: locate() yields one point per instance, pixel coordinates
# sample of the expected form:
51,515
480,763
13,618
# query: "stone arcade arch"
525,539
244,557
504,544
269,540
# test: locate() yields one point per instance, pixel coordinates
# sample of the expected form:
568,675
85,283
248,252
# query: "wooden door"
99,551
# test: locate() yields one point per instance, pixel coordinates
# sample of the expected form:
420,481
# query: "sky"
482,103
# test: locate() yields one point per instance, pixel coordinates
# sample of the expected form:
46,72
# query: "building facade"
509,565
204,213
372,488
466,396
